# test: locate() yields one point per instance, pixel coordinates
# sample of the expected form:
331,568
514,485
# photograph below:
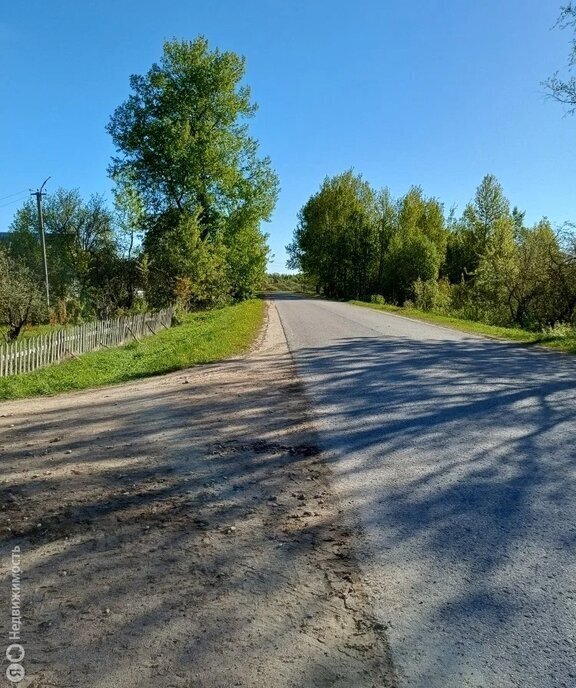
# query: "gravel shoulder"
182,531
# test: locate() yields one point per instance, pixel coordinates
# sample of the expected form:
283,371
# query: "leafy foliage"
178,253
355,241
190,195
287,282
183,142
411,256
486,265
337,236
83,261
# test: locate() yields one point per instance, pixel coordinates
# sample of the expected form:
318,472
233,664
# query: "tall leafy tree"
424,215
498,272
490,206
416,248
129,215
130,220
537,301
182,138
522,276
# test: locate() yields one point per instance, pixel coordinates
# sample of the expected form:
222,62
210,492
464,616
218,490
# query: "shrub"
432,295
378,298
559,330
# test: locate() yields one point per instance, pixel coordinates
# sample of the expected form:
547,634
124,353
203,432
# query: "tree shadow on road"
181,532
461,455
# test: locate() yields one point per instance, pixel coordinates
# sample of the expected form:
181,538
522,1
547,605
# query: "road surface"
457,455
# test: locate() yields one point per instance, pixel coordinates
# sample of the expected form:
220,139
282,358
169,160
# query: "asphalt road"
457,456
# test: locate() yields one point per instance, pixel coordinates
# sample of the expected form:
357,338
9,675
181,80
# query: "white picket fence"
26,355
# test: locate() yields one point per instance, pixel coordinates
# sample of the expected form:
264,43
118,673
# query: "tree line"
190,194
488,265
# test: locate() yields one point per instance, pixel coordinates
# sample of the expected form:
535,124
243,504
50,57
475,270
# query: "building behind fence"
26,355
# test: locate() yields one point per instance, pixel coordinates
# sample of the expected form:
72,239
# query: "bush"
378,298
470,302
559,330
432,295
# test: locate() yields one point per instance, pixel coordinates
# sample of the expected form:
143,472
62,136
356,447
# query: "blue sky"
434,92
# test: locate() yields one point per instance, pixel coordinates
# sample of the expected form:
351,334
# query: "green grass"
560,342
31,330
202,338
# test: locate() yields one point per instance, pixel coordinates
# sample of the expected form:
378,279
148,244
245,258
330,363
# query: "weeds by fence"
27,355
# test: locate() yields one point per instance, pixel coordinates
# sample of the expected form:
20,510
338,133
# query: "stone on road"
457,456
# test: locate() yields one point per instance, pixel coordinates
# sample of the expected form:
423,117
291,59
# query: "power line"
18,193
16,200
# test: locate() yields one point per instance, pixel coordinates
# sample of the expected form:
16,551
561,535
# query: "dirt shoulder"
181,531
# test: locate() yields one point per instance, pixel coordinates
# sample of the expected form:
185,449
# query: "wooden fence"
26,355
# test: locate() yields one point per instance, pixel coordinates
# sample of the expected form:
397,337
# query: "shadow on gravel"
184,536
462,453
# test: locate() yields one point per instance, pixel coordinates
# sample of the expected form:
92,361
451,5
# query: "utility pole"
39,195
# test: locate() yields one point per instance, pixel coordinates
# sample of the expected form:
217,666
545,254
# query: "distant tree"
23,242
336,241
563,89
489,207
424,215
21,298
519,277
182,139
498,271
461,254
469,237
387,223
416,245
518,220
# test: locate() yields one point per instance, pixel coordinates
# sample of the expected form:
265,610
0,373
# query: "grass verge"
202,338
566,343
